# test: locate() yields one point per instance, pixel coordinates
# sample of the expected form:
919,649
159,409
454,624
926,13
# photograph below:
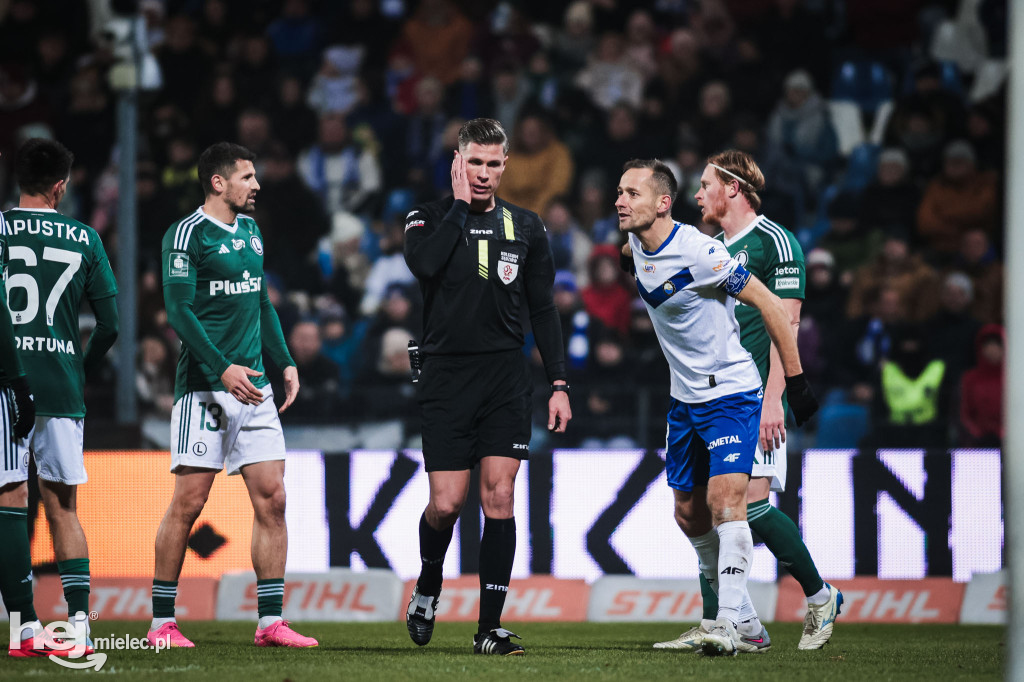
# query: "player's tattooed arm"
776,320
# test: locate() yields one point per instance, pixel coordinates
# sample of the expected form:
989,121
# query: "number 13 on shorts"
211,429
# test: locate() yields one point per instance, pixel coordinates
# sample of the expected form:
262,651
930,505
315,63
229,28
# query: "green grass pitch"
563,651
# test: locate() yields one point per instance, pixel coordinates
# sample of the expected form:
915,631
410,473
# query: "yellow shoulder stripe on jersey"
510,230
482,257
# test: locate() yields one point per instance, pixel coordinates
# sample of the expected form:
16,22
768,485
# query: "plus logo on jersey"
229,288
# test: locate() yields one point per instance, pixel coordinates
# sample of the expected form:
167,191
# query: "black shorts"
474,406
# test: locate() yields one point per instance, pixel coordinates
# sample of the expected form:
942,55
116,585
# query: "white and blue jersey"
689,285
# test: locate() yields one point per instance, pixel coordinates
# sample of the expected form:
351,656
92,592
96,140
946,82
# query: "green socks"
782,537
164,594
74,576
16,563
270,596
710,599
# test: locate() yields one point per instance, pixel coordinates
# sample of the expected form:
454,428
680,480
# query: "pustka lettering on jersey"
48,228
54,264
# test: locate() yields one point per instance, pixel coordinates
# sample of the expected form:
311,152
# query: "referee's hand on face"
236,382
460,179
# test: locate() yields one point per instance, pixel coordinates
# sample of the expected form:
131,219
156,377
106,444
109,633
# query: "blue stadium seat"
809,236
399,201
841,425
862,81
861,167
949,75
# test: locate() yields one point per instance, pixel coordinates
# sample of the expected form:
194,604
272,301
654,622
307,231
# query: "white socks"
709,549
160,622
267,621
706,547
819,597
31,629
736,549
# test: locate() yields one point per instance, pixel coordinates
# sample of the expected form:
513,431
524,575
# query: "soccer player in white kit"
690,285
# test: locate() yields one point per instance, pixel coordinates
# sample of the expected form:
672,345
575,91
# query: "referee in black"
478,259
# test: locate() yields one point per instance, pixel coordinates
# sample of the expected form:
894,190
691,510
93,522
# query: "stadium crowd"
880,127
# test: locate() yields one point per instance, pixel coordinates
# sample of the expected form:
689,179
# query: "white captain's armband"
736,281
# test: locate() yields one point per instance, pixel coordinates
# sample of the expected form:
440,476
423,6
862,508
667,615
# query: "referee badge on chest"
508,266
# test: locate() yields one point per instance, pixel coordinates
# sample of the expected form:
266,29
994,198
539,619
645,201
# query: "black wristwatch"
555,388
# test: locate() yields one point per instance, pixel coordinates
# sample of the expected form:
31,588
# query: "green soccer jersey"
224,264
53,262
773,255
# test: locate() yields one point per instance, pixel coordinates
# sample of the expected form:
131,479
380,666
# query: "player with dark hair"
478,259
53,262
224,409
691,285
729,200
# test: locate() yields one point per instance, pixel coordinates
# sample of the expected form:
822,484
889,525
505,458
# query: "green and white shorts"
54,442
211,429
771,465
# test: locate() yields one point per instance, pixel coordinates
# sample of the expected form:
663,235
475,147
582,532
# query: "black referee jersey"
476,270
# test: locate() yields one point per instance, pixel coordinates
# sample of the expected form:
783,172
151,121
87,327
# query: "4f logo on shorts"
732,457
508,266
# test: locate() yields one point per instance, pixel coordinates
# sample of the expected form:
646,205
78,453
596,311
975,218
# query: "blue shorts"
713,438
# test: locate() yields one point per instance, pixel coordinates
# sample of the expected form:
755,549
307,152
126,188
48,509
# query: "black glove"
24,407
801,398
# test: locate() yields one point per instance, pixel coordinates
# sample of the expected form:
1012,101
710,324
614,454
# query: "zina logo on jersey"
228,288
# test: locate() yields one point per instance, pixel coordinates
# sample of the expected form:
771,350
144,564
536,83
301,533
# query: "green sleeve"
178,299
10,363
180,263
100,282
272,336
105,333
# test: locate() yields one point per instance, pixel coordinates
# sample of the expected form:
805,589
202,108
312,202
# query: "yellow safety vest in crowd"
912,401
